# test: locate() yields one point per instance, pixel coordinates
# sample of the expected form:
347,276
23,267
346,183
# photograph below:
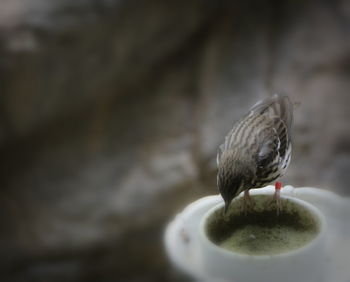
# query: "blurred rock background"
111,113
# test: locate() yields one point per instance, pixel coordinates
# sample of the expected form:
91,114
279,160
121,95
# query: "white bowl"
199,259
307,263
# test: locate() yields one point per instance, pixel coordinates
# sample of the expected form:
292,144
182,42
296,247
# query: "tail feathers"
277,106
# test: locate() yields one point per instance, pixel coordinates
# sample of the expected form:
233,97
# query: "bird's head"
232,179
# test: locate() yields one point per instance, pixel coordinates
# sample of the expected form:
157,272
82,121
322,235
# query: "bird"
257,151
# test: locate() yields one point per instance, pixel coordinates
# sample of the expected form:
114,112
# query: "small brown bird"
257,150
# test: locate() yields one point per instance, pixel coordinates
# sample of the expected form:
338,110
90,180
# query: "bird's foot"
248,203
277,197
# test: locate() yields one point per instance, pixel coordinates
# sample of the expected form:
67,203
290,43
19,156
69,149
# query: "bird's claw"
276,200
248,203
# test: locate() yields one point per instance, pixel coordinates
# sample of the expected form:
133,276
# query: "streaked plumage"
258,148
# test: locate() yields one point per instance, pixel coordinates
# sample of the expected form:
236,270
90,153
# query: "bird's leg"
247,202
277,197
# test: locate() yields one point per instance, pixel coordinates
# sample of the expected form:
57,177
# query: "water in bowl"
261,231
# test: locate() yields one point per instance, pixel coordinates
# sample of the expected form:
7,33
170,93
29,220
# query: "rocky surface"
111,113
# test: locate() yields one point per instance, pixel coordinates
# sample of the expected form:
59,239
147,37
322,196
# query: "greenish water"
258,240
262,231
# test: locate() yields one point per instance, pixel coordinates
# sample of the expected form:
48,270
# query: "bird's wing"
280,109
282,134
268,146
269,119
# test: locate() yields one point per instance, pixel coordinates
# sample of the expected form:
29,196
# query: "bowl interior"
260,231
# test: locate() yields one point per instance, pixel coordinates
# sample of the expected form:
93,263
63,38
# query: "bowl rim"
232,254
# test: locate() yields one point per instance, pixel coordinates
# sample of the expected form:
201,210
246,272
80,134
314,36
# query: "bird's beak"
227,204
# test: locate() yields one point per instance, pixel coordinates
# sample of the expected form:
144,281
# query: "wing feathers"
267,125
